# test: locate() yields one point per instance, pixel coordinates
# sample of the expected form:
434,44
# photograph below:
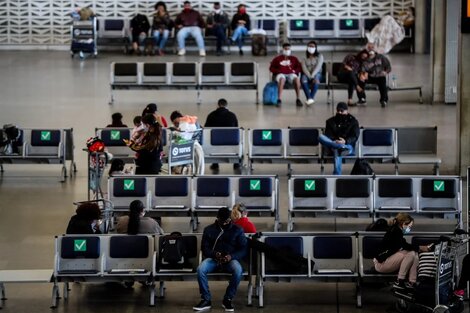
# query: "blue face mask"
406,230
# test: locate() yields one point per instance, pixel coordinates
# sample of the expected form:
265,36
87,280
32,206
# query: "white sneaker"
310,102
181,52
202,53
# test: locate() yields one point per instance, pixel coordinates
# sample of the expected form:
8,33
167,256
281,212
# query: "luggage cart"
84,38
181,152
448,253
97,162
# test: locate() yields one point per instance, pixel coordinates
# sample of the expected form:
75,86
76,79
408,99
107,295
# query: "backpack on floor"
362,167
172,251
270,94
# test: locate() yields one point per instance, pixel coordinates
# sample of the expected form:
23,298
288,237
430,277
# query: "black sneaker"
279,102
203,305
362,101
399,284
383,103
298,103
227,305
241,52
343,151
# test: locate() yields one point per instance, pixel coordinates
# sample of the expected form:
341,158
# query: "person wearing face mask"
286,67
311,72
377,67
240,26
396,254
189,23
216,24
352,73
161,26
136,222
223,245
341,134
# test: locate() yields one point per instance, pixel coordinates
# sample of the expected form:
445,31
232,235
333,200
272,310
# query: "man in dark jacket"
223,246
189,23
341,134
222,117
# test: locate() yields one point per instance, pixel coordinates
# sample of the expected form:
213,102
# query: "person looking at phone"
223,245
87,219
396,254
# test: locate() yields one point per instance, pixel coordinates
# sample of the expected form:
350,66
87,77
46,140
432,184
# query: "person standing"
161,26
189,23
223,245
311,72
222,117
341,134
286,67
216,24
240,26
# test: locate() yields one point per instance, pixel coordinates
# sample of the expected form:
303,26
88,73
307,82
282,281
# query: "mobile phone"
431,245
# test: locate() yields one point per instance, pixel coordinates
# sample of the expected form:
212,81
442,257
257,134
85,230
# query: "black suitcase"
258,45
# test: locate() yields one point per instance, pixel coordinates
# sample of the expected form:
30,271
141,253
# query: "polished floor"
49,89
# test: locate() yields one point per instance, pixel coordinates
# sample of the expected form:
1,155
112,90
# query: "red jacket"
246,224
285,65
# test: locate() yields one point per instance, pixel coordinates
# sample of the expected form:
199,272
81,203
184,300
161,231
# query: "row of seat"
187,75
308,195
402,145
337,256
196,196
42,146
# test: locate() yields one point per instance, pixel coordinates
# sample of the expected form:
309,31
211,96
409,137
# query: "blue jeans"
238,35
193,31
309,86
327,142
161,38
210,265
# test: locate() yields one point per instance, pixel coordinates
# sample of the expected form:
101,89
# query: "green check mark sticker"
79,245
255,184
309,185
267,135
115,135
45,135
129,184
349,23
438,185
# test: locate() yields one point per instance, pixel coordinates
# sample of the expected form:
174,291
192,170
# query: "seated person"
311,71
240,26
136,222
349,73
87,219
216,24
377,67
189,23
140,27
223,246
286,67
161,26
116,121
341,134
464,277
239,217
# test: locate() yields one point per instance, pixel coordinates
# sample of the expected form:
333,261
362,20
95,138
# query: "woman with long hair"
311,72
136,222
239,216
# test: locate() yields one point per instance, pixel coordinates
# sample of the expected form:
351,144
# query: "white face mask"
287,52
311,50
217,11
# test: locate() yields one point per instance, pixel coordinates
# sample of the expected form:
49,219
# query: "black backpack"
362,167
172,251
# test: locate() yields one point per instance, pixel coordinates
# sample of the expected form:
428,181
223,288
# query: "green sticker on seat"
45,135
115,135
129,184
255,184
299,23
309,185
79,245
438,185
267,135
349,23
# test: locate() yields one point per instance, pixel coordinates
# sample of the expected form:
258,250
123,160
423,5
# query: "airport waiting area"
71,87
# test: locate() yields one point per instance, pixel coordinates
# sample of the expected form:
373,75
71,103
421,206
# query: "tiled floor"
49,89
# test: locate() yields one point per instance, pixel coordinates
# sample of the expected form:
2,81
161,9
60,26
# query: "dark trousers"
381,82
351,79
220,34
465,273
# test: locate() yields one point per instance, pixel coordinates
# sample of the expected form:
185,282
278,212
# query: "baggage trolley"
448,253
84,38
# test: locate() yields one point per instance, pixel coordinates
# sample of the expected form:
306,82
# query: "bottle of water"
394,81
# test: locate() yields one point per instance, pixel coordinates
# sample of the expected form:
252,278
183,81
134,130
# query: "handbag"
382,256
